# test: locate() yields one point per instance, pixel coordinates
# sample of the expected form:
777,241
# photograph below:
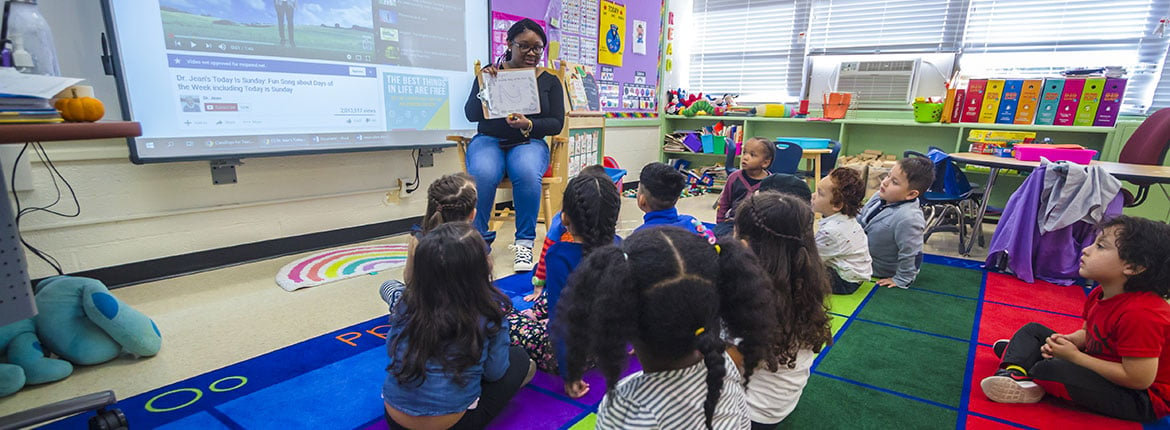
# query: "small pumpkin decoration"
81,109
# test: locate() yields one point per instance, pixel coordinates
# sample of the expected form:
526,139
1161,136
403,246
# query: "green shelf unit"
896,132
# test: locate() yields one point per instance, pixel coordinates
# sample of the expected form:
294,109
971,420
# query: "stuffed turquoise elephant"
27,363
80,321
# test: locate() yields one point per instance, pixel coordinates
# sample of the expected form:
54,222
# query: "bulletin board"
623,56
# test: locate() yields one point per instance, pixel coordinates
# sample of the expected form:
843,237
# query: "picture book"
1090,98
948,106
1008,103
1029,101
1049,101
974,100
1070,99
957,105
1110,105
991,98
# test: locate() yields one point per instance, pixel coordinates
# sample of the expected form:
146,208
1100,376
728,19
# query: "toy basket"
927,112
836,105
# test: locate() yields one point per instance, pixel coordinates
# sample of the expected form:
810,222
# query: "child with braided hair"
591,203
450,198
669,292
556,233
778,228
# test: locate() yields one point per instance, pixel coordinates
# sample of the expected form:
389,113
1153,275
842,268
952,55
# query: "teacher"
515,144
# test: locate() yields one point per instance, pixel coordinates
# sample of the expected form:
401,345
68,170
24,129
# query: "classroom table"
813,157
1122,171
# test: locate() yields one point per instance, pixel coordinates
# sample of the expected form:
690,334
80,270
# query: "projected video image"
340,30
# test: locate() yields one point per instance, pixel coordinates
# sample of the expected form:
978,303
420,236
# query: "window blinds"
1026,38
747,47
893,26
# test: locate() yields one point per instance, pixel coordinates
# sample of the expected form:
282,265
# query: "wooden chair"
552,185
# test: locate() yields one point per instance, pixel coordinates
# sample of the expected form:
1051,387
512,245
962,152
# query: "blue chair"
950,202
787,159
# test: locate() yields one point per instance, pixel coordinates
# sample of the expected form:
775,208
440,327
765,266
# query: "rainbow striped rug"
338,264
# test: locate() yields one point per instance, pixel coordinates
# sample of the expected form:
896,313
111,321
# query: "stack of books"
1075,101
15,109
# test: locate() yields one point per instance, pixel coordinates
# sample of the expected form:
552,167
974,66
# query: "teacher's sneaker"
1011,386
523,262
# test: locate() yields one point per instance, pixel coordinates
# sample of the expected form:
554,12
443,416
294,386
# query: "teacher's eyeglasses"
536,49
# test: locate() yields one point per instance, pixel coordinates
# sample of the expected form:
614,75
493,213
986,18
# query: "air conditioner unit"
879,81
879,84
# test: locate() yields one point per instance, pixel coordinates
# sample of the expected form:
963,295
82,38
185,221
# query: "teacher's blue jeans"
525,166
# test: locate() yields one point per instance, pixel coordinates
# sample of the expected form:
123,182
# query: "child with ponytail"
778,228
590,212
450,198
670,293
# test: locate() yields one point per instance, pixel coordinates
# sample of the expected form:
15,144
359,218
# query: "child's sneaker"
1011,386
523,261
999,347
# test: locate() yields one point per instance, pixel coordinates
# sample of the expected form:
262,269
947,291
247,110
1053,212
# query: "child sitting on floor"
669,293
754,160
450,363
556,233
1118,363
591,204
778,228
894,224
450,198
659,188
841,241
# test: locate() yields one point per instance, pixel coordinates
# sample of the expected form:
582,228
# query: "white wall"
132,213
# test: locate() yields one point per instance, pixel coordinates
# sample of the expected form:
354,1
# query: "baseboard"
178,265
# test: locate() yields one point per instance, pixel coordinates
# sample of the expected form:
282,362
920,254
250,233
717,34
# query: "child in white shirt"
841,241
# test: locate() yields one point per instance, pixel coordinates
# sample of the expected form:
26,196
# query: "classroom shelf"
24,133
895,132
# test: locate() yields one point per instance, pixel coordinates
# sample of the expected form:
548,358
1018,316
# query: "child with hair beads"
669,293
556,233
659,187
591,204
450,363
754,160
841,241
1118,363
450,198
894,224
778,229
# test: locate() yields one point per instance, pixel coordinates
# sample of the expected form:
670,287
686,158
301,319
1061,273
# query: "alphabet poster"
625,83
612,40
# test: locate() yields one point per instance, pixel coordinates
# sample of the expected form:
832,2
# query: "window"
1029,38
892,26
746,47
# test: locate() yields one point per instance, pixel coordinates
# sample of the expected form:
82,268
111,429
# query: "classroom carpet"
907,359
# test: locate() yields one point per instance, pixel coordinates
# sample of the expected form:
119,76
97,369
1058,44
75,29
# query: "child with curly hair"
1118,363
591,204
669,293
841,242
778,228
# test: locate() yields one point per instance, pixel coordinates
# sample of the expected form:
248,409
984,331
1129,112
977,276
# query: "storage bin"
1073,153
807,142
927,112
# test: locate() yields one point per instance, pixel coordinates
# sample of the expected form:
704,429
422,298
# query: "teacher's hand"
518,121
491,70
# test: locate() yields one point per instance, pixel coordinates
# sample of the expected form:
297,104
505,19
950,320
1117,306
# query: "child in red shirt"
1118,363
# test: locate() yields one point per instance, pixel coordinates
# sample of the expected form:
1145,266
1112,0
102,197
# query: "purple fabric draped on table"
1052,257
